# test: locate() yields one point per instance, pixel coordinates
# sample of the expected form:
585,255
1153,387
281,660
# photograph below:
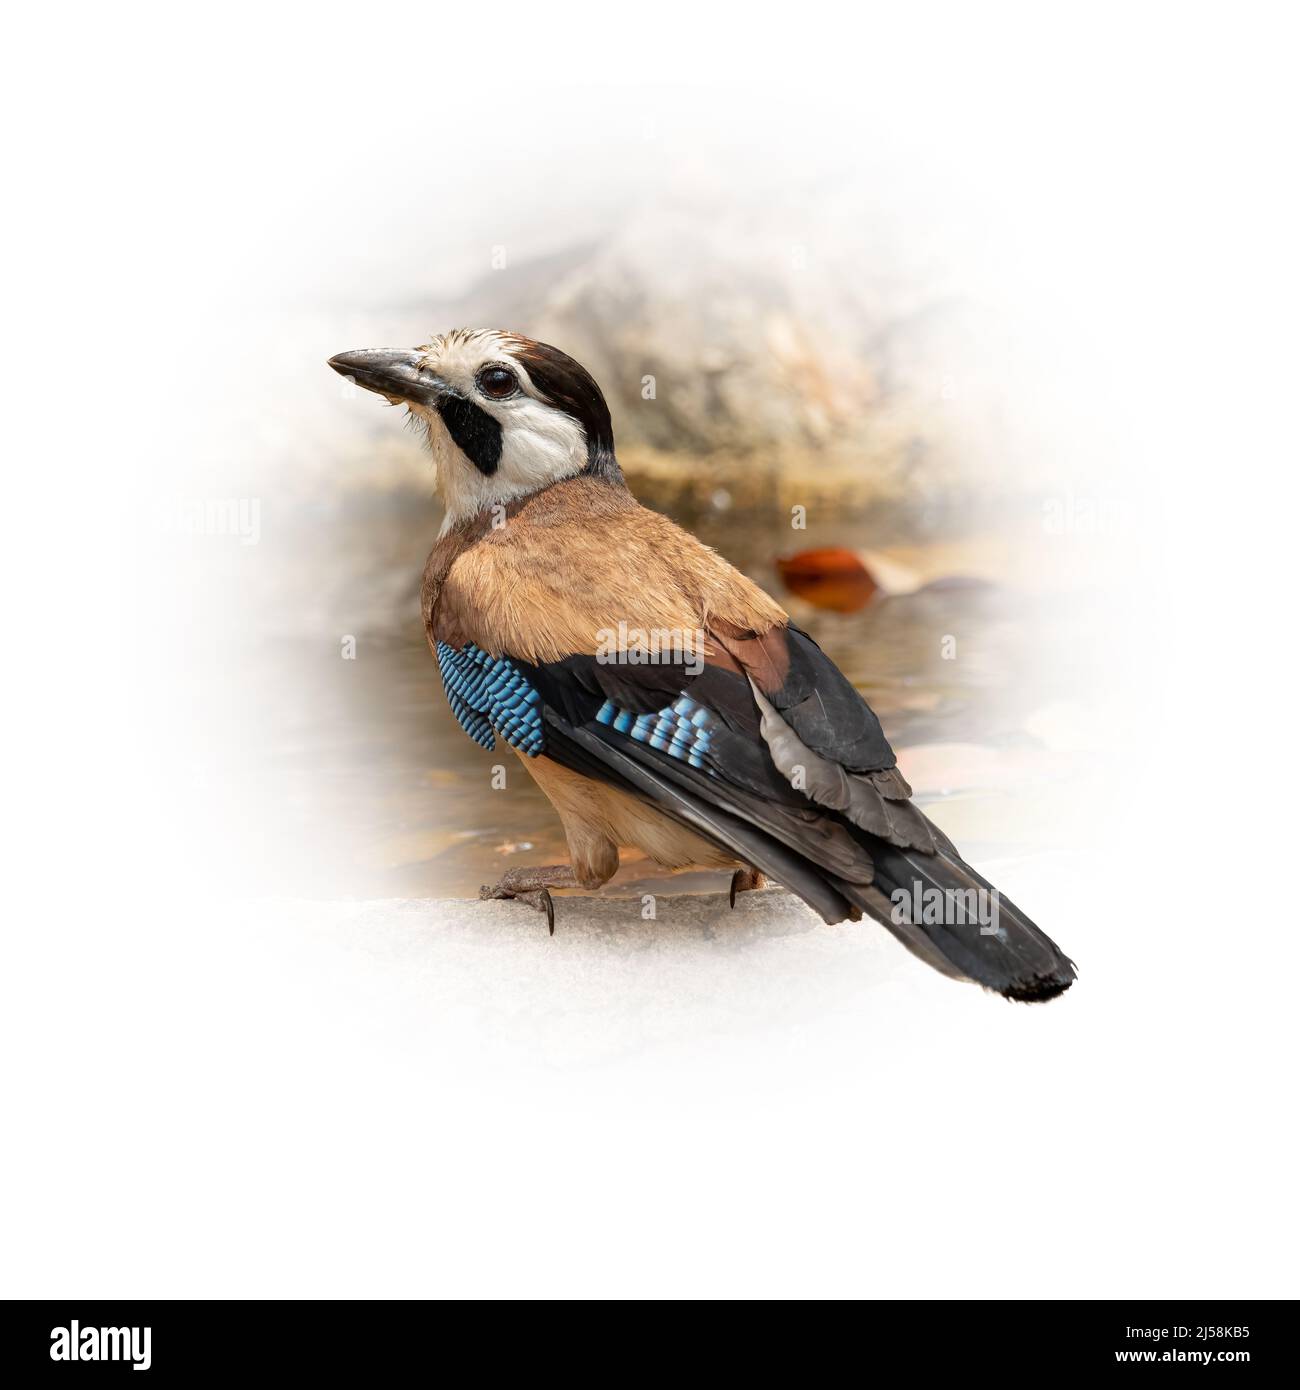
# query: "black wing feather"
737,794
824,708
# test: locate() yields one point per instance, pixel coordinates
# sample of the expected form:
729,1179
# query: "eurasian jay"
659,698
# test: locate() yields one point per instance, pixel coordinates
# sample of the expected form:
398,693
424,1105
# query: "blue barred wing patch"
487,692
683,729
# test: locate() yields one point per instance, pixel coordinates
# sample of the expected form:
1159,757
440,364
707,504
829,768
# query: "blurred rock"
774,357
779,358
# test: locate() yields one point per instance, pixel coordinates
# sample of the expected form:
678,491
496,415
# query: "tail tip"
1038,989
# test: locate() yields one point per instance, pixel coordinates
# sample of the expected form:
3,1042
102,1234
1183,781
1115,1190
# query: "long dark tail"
987,939
955,920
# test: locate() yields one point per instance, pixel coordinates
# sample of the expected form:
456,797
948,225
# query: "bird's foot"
532,886
745,881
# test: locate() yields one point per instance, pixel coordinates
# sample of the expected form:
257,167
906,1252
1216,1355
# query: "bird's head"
505,415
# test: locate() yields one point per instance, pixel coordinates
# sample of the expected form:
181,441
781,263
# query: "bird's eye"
497,382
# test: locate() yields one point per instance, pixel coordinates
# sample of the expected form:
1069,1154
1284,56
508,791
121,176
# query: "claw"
735,879
539,898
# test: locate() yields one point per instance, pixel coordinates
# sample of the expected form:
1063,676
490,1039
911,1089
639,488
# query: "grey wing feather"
873,801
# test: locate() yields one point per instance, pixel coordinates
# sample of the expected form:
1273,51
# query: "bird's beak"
397,375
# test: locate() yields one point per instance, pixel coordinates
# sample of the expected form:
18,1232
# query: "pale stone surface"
609,983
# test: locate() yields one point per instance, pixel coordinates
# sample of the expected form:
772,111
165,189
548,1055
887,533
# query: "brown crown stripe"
570,387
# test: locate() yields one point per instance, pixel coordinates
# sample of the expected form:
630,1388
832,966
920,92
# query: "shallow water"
373,770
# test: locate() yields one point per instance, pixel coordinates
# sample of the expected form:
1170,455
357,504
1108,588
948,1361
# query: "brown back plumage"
573,561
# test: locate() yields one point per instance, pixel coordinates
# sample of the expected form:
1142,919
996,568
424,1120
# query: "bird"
659,698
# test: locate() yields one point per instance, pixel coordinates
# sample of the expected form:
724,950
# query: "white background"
200,1097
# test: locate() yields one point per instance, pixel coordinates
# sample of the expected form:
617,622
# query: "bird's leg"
532,886
745,881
